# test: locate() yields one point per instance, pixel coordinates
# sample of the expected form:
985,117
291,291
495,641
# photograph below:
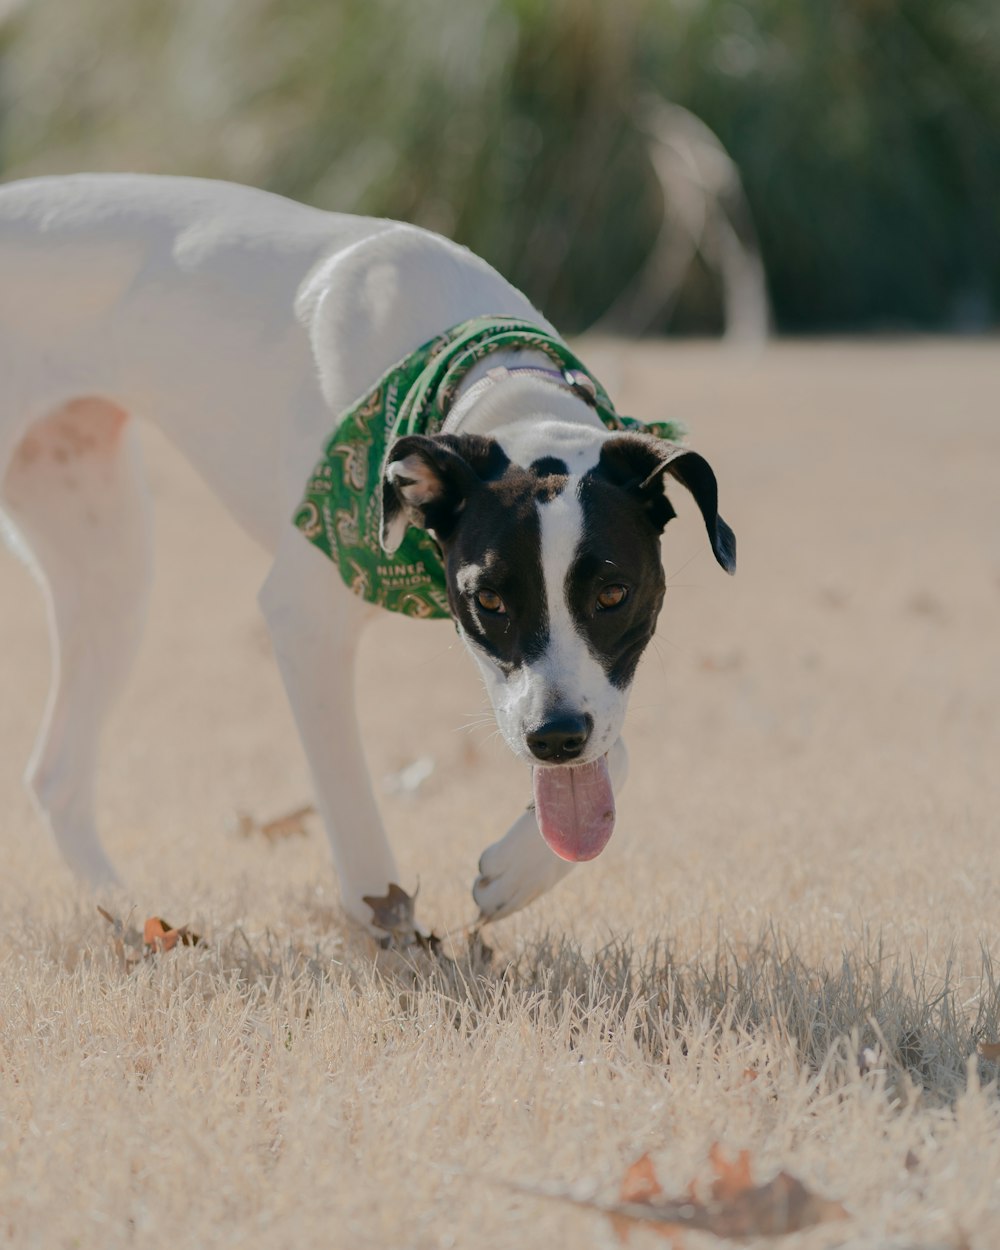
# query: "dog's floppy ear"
425,482
637,462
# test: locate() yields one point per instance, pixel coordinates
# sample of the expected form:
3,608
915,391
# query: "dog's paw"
516,870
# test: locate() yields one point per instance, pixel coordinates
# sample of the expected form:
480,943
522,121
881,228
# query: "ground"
786,947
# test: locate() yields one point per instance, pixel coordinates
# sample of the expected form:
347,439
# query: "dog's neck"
514,386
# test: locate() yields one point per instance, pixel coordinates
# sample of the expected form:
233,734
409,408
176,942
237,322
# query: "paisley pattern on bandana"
340,511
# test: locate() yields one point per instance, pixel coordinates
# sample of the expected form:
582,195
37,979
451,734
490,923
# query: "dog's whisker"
690,560
474,719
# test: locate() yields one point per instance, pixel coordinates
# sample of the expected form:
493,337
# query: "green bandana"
341,509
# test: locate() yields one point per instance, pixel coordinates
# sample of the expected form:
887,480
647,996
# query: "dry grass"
787,947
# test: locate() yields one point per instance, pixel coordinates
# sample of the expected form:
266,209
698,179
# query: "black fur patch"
551,474
625,511
500,534
620,546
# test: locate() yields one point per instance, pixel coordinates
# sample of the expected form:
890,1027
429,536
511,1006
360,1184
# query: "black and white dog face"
554,573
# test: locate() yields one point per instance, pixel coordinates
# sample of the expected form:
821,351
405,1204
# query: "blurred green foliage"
867,132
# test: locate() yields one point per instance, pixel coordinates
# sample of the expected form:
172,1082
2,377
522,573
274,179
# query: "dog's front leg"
315,623
520,867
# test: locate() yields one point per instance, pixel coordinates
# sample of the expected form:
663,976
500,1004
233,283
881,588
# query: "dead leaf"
394,914
639,1184
291,825
159,935
990,1050
738,1209
731,1179
782,1206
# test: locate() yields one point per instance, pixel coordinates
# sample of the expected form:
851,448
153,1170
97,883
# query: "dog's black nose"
560,739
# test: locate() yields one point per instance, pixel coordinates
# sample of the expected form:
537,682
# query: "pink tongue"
575,808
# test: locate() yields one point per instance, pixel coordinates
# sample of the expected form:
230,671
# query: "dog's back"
175,299
140,287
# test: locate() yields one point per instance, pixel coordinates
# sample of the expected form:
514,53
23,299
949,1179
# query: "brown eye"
490,601
611,597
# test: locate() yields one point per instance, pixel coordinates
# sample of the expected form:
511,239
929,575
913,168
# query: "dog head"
555,583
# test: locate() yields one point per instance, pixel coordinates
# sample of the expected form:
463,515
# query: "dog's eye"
491,602
611,597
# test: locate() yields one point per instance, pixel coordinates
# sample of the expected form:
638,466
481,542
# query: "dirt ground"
813,809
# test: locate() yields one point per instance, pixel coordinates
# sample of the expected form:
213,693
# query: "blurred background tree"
866,132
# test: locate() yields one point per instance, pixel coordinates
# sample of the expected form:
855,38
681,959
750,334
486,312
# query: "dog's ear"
425,482
637,463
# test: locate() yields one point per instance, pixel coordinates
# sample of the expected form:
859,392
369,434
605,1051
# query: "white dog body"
243,325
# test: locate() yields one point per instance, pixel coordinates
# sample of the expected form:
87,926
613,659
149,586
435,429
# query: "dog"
245,325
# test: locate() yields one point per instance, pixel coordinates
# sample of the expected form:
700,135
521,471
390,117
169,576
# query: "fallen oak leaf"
655,1215
990,1050
731,1179
640,1185
739,1210
394,913
783,1205
290,825
159,935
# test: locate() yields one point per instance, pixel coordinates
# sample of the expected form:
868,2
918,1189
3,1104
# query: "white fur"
567,675
242,324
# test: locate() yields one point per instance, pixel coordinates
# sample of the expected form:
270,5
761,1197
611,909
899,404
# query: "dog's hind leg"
75,492
315,623
520,867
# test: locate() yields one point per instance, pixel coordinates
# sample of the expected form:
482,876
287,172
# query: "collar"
573,381
452,356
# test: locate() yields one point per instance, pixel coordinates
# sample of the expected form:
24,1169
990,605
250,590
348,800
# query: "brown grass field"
786,949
